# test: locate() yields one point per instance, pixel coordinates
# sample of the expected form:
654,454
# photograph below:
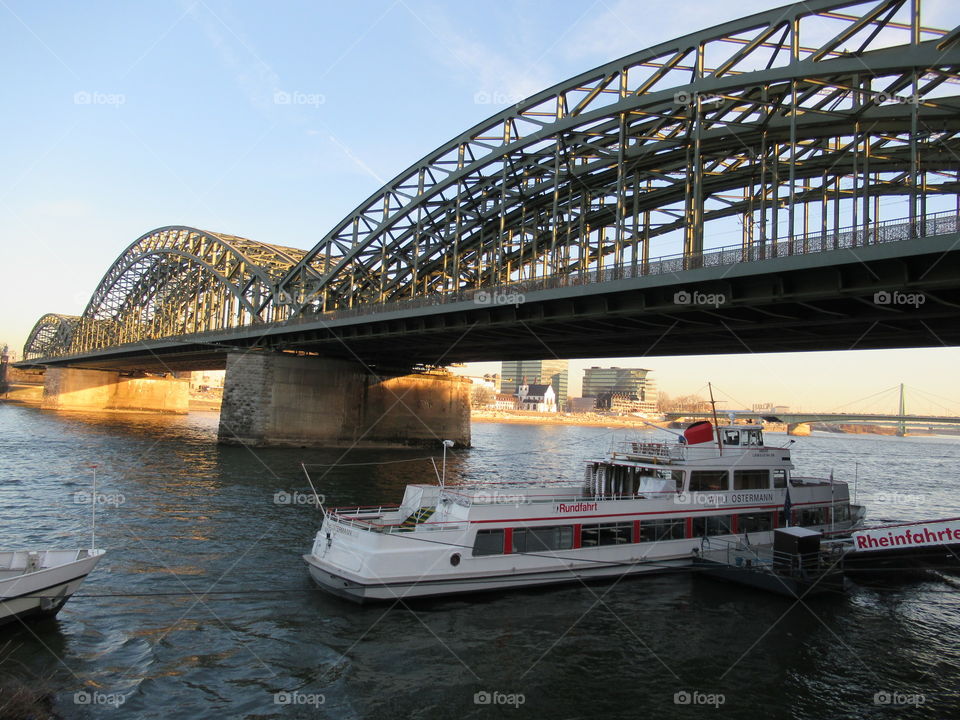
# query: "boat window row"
606,534
539,539
747,479
569,537
610,480
816,516
750,437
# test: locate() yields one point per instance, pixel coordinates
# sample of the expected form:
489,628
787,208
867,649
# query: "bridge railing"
896,230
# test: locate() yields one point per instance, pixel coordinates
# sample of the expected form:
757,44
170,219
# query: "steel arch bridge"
173,281
791,126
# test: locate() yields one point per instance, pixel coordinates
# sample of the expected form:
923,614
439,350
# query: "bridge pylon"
281,399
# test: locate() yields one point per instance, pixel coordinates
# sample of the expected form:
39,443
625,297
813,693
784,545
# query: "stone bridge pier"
295,400
93,390
798,429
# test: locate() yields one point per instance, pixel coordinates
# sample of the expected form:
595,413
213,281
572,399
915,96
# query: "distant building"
581,404
630,386
483,392
505,402
485,382
622,403
514,373
206,380
538,398
495,379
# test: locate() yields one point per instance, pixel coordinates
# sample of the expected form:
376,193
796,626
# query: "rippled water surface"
187,516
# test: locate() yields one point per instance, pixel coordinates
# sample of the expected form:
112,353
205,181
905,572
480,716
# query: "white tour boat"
39,582
647,506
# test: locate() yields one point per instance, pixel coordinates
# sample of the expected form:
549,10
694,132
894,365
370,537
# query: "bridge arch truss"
173,281
793,123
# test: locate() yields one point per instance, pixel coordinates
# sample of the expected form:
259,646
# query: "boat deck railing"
805,480
496,496
737,553
659,450
370,520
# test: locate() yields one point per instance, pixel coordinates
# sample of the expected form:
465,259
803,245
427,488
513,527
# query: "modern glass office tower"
626,381
555,372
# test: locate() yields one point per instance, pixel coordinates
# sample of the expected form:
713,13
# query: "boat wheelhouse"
646,506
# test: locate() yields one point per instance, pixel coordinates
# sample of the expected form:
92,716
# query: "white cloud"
255,78
507,75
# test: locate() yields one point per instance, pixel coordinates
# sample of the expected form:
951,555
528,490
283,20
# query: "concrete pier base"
799,429
280,399
75,389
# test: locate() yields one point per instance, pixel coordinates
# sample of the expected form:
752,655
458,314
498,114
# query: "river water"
181,515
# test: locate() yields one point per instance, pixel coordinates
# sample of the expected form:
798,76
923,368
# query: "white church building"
539,398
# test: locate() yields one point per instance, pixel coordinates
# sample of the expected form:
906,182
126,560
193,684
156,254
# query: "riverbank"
584,419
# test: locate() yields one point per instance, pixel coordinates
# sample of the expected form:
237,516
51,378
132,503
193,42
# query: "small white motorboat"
39,582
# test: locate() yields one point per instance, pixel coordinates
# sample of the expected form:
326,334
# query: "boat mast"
716,425
93,511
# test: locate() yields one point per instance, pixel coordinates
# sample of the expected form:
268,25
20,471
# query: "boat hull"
830,582
43,592
336,581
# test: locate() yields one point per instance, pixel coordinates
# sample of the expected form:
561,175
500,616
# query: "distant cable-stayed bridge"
901,419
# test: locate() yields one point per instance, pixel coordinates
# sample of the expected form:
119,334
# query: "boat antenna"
316,495
716,425
833,505
443,476
93,511
856,478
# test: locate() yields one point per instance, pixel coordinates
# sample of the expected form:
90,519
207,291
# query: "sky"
274,120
